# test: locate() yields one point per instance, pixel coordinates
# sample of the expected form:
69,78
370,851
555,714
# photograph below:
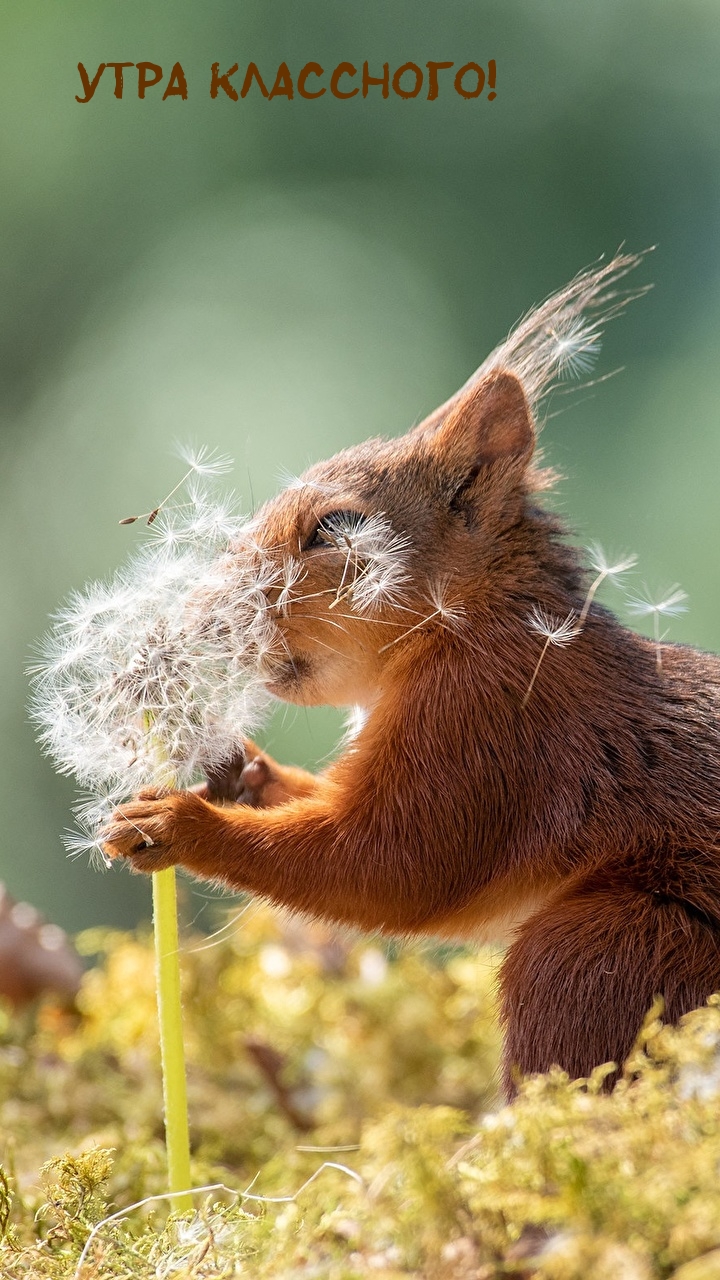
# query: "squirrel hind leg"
584,971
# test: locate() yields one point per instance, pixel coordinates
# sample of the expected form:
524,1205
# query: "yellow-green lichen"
298,1041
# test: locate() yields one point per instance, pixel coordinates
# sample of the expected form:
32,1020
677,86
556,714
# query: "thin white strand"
204,1190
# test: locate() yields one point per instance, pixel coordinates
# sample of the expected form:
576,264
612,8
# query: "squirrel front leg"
375,844
403,832
297,854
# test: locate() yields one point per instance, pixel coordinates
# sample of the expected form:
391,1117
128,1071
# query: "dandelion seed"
556,631
604,569
423,622
292,572
452,614
201,462
203,519
378,586
375,569
290,481
671,606
577,346
601,564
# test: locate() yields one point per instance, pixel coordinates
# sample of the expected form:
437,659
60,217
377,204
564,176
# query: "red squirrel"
580,822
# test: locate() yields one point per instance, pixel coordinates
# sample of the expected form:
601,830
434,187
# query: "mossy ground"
297,1041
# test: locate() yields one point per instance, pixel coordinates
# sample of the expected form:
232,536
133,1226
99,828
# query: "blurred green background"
282,278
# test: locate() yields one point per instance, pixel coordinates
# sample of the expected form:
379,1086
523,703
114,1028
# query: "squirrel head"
392,542
393,537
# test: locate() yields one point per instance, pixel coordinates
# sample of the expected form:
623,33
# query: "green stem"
172,1053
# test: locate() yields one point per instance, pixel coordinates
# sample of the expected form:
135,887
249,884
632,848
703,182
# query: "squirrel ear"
492,421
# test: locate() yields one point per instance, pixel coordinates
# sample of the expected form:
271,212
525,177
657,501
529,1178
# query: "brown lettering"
407,93
89,85
310,69
283,86
119,76
251,74
342,69
143,81
218,81
475,93
177,84
433,68
492,71
384,79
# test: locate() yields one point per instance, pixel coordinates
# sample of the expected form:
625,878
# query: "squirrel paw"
252,778
148,832
257,782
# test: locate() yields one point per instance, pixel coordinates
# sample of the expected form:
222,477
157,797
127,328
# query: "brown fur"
584,825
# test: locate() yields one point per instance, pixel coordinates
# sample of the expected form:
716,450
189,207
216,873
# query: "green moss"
296,1041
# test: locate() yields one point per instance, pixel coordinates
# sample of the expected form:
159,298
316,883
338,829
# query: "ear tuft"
491,422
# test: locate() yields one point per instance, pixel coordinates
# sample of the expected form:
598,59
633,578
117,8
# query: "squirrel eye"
336,529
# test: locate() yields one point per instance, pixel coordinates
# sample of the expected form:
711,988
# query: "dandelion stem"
656,629
529,689
591,596
172,1052
151,516
169,1007
672,604
172,493
410,630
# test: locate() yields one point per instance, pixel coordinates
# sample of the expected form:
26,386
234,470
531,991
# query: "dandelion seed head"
156,675
204,461
559,631
577,346
603,565
671,604
375,573
451,612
